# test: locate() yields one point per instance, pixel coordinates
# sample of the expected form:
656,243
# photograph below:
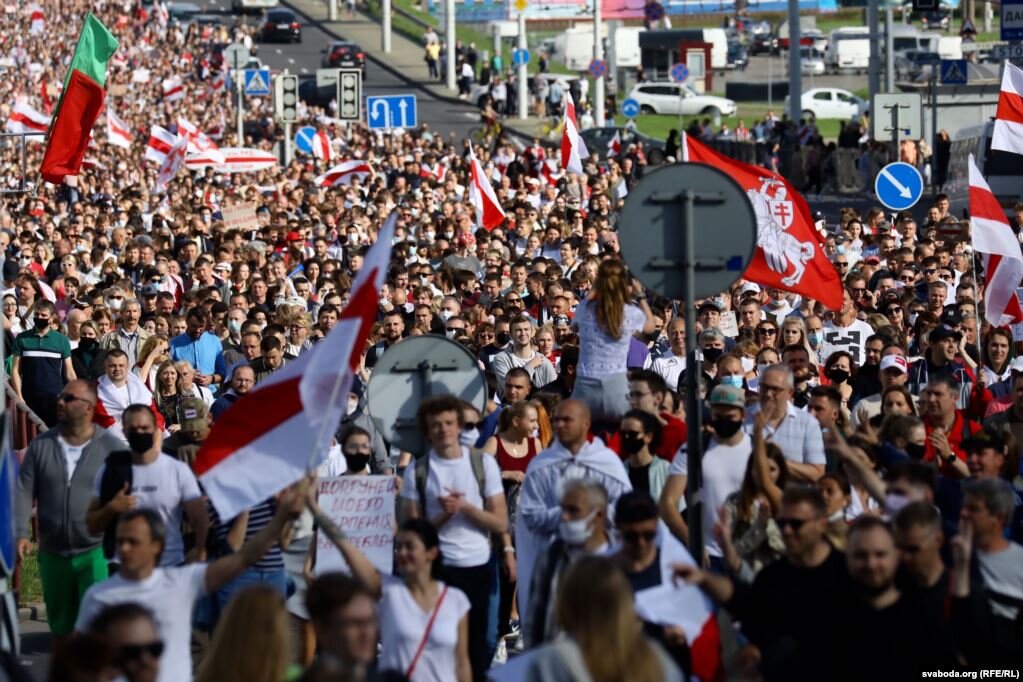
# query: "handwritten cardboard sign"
363,507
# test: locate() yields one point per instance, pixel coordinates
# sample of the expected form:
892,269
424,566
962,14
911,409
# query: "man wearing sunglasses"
131,631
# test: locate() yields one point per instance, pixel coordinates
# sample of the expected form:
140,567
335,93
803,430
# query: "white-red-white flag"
160,143
1008,130
37,18
271,436
198,141
573,149
996,245
614,147
173,89
118,132
162,14
172,164
489,213
344,173
322,147
25,119
438,172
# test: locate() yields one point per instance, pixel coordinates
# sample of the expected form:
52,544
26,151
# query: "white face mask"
747,364
575,533
429,236
446,315
469,438
115,303
383,301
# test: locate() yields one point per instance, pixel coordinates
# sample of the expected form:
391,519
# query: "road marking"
277,51
305,70
470,115
290,60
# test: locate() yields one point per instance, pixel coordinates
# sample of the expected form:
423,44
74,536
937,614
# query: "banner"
241,217
362,507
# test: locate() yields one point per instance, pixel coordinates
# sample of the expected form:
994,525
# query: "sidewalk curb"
373,57
32,612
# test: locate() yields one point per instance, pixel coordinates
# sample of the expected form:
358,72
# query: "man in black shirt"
785,611
919,539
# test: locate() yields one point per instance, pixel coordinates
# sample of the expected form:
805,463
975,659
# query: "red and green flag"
80,102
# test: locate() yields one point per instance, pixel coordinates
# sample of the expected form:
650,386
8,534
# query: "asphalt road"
304,59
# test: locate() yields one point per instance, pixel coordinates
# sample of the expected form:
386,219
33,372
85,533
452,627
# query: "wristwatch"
949,458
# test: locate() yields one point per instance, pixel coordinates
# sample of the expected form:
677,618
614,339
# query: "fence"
25,426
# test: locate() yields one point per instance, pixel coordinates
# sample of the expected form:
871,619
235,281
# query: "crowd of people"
859,466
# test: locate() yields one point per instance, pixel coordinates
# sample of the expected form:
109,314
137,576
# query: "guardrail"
25,425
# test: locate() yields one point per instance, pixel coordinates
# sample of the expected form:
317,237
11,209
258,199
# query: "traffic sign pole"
385,26
240,82
522,88
598,55
449,39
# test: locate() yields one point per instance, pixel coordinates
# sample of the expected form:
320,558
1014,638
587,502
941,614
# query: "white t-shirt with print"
170,594
403,623
165,486
724,467
462,542
72,455
851,339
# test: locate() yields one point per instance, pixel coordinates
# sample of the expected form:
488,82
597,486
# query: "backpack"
423,472
117,472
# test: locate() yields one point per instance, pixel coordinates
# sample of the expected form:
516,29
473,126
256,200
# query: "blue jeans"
276,578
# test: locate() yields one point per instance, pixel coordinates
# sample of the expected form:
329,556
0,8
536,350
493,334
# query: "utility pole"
385,25
331,10
239,81
874,65
598,83
889,50
449,36
523,73
795,67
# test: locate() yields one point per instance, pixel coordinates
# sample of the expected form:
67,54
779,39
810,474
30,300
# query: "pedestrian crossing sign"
257,82
953,72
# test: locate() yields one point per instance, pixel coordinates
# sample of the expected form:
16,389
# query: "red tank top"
507,462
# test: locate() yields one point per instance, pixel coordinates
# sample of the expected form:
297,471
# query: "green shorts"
65,580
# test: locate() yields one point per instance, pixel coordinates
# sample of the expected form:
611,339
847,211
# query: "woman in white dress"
424,624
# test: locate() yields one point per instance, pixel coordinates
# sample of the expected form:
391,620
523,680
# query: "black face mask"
502,338
40,323
915,451
631,443
356,463
725,428
837,376
88,344
140,442
712,354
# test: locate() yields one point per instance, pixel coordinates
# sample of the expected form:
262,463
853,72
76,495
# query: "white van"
626,46
950,47
719,47
849,49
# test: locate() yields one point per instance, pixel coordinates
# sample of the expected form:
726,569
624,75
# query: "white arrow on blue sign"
630,108
393,111
520,57
304,139
899,186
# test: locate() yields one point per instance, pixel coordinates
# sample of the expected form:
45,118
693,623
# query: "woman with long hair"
793,333
167,395
749,536
604,640
840,370
424,622
88,358
895,400
252,641
155,350
997,359
606,321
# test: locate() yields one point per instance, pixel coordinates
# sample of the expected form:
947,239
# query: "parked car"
597,140
830,103
344,54
738,55
675,98
811,61
281,26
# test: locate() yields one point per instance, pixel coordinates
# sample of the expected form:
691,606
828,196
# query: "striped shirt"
259,518
42,362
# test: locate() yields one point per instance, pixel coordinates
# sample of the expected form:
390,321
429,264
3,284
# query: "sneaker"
513,628
501,655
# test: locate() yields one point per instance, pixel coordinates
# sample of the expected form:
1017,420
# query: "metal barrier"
25,426
847,175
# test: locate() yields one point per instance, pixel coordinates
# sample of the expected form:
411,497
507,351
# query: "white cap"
896,361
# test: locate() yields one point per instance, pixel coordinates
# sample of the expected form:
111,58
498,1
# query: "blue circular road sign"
653,11
899,186
598,67
630,108
679,73
520,57
304,139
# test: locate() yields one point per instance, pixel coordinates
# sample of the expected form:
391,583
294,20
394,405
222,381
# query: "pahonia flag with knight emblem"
789,253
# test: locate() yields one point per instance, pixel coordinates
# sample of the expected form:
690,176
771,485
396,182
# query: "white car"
830,103
811,61
669,98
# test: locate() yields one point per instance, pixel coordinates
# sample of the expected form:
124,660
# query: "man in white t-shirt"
724,465
461,493
847,332
170,593
158,482
523,354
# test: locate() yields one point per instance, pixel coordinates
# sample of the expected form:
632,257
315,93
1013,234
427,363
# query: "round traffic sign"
236,56
520,56
653,11
598,67
652,230
679,73
899,186
304,139
630,108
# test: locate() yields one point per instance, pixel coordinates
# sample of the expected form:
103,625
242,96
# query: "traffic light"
925,5
349,94
286,98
